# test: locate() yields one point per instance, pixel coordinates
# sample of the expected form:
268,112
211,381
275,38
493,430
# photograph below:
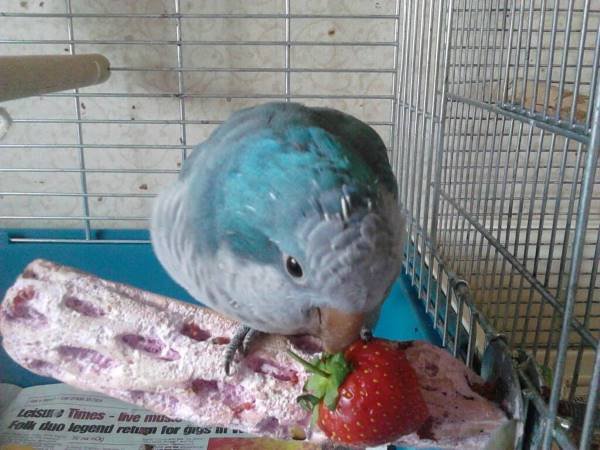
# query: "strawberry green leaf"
331,397
314,417
328,374
308,401
339,369
317,385
310,367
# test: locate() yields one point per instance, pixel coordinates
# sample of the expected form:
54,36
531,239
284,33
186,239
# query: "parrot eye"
293,267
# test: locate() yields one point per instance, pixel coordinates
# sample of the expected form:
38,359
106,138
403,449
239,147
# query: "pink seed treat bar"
167,356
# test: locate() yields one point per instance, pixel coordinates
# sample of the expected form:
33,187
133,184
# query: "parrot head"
286,219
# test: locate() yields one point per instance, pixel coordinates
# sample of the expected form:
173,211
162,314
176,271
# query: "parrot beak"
339,329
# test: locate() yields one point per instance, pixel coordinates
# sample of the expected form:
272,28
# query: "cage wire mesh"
487,109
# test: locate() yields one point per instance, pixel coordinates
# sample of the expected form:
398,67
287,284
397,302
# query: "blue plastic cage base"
415,278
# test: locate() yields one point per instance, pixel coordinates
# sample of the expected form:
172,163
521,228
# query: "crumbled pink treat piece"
458,414
143,350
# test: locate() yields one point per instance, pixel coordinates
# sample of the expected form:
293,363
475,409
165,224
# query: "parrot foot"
241,342
366,334
248,339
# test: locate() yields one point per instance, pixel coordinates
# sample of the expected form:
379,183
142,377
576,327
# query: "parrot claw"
248,339
241,342
366,334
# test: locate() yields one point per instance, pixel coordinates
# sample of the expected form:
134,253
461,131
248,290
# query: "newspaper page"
58,416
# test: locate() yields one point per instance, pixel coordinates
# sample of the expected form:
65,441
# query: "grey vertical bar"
580,53
563,65
538,59
395,83
288,25
411,160
481,83
453,150
594,84
529,229
449,295
515,169
507,68
438,291
441,130
432,150
591,406
494,134
483,268
519,295
551,57
180,83
566,236
82,175
507,219
427,177
401,96
587,314
472,336
583,212
540,46
503,328
565,240
459,313
470,169
543,211
399,165
503,191
419,157
466,133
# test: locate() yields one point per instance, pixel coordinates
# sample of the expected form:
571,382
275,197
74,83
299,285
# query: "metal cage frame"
477,77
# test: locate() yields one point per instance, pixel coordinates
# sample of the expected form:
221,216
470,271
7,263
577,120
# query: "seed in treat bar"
193,331
83,307
149,345
271,368
87,358
22,310
204,387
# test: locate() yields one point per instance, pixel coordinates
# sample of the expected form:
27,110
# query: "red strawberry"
367,396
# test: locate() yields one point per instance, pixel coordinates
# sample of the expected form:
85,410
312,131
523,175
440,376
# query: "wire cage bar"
490,111
508,149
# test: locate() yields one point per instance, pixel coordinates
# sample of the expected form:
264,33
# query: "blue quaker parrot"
285,219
